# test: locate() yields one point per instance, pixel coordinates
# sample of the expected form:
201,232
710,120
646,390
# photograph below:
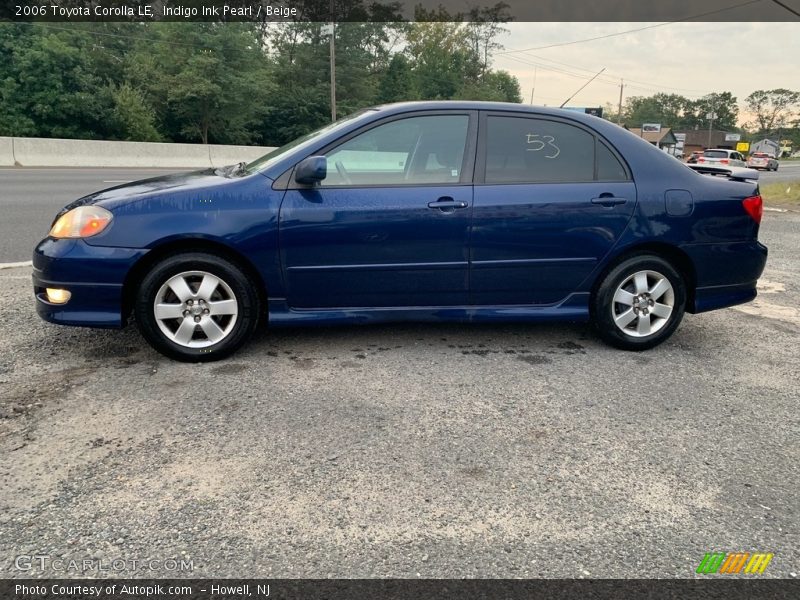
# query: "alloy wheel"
195,309
643,303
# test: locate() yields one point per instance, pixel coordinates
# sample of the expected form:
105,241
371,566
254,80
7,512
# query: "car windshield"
715,154
268,159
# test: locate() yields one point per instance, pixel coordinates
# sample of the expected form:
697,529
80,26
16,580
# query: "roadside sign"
733,137
594,111
651,128
743,147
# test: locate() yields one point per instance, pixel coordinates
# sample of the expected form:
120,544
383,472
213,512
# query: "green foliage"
133,119
398,81
237,83
773,109
679,112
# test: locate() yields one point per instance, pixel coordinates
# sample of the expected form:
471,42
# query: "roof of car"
479,105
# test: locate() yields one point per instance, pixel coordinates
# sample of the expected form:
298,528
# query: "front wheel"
639,303
196,307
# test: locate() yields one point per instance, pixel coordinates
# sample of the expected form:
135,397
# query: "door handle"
447,204
608,200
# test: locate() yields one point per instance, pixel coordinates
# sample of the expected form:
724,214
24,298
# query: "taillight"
701,159
754,206
724,161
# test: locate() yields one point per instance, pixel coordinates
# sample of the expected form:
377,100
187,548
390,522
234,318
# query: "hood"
148,188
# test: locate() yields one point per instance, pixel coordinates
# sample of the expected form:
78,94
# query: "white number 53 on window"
538,142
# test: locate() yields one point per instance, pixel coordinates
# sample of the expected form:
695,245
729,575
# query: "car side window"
530,150
416,150
608,166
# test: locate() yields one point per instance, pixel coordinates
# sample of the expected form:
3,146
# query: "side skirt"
573,308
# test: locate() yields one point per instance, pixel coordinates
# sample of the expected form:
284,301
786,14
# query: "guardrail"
45,152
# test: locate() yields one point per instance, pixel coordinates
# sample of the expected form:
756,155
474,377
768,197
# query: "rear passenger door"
551,198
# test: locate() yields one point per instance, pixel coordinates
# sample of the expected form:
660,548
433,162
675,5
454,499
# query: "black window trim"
286,180
480,160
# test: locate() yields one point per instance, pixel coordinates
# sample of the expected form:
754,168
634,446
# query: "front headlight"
81,222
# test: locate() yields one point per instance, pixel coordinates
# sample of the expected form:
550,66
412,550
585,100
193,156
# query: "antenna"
583,86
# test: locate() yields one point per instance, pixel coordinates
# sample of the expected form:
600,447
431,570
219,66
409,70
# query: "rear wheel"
639,303
196,307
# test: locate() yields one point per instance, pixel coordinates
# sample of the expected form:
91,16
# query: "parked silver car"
762,160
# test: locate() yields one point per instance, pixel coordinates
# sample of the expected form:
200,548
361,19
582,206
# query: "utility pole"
710,116
619,106
535,69
333,65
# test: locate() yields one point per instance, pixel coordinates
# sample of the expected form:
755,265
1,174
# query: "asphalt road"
787,171
408,450
30,198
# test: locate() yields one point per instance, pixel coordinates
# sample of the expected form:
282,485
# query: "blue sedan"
439,211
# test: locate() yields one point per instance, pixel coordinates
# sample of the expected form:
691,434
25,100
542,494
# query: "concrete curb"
42,152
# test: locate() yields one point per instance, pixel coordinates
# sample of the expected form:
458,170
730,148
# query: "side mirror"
311,170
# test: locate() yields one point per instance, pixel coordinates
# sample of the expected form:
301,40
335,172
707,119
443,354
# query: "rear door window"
537,150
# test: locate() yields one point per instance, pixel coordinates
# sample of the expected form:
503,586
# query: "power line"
789,8
609,35
603,79
616,76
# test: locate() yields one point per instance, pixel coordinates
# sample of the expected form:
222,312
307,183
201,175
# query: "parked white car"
721,156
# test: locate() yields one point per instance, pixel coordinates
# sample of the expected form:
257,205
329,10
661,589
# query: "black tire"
603,307
234,285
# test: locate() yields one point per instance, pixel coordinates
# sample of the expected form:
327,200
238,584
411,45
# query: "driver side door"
389,225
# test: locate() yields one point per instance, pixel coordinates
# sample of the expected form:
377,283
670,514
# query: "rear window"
715,154
758,155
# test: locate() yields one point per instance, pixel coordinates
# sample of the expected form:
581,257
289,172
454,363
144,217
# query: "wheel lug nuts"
189,302
186,313
205,311
197,319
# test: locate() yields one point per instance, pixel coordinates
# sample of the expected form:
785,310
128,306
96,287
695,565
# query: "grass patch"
783,192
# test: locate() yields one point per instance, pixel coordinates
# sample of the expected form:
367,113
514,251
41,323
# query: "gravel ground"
408,450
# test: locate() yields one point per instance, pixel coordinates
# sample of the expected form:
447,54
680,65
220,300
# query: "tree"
397,83
209,81
666,109
484,26
132,118
773,109
239,83
51,86
724,105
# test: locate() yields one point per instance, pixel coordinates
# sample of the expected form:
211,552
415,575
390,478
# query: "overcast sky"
691,59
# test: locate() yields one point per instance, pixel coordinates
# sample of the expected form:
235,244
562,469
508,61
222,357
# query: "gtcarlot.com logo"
733,563
44,563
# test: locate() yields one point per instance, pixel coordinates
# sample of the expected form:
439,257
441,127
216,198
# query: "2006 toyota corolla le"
441,211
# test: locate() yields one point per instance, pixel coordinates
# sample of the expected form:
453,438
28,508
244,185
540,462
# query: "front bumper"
94,275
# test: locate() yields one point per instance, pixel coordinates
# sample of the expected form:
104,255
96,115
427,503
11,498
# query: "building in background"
697,140
663,138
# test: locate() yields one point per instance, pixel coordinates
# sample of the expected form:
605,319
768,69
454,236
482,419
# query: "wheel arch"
674,255
183,245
